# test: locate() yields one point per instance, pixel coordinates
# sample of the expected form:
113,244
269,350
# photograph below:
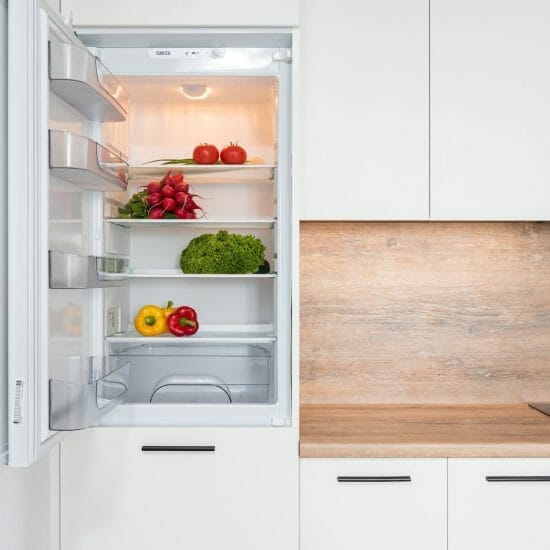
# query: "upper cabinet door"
490,109
187,13
363,109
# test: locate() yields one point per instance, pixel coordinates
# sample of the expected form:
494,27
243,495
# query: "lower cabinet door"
378,504
180,489
500,504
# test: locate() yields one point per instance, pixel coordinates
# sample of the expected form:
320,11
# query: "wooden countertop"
357,431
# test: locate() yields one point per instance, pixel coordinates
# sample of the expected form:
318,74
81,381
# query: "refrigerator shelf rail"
73,271
177,274
204,223
81,80
205,335
208,173
83,390
85,163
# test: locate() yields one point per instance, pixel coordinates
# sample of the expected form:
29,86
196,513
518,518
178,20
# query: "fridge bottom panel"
197,415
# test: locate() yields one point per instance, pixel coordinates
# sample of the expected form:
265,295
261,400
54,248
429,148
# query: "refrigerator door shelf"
85,163
82,390
83,82
72,271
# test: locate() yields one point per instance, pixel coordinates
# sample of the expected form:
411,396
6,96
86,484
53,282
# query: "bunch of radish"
172,195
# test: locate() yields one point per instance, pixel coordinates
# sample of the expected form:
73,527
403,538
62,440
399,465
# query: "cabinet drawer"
499,504
373,503
146,488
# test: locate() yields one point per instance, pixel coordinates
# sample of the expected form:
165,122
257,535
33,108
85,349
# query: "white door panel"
383,504
241,496
364,110
499,503
489,109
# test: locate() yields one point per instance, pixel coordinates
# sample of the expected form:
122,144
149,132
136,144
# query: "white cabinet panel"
183,12
382,515
505,514
243,496
364,110
490,112
29,505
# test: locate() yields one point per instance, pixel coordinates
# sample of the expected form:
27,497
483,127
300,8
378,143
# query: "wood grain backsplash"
425,312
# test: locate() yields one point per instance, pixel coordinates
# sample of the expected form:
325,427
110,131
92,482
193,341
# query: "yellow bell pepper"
150,321
168,310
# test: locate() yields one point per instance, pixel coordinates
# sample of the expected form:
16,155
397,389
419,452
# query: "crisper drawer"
383,504
499,503
225,374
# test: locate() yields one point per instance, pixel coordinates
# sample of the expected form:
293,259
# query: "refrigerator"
90,114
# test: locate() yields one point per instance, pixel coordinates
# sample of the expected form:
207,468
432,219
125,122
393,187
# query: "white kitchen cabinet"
383,504
175,13
489,109
499,503
364,110
243,495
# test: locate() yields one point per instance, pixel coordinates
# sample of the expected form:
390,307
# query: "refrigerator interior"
236,369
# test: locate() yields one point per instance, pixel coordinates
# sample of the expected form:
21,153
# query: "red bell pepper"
183,322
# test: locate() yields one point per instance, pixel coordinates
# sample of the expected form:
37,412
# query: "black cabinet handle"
179,448
373,479
519,479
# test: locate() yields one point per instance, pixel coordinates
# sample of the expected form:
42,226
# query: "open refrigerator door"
85,140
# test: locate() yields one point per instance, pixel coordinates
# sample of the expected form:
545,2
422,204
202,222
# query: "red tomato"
205,153
233,154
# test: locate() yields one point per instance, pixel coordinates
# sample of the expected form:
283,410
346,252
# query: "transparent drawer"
213,374
80,79
82,390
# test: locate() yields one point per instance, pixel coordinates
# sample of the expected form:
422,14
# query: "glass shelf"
208,173
219,334
177,274
204,223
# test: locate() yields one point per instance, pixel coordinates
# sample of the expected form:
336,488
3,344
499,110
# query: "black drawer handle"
518,479
179,448
374,479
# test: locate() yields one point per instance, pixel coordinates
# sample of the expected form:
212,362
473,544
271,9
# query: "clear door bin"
225,374
82,390
70,271
86,164
80,79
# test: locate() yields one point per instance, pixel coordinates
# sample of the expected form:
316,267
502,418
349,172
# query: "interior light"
195,91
